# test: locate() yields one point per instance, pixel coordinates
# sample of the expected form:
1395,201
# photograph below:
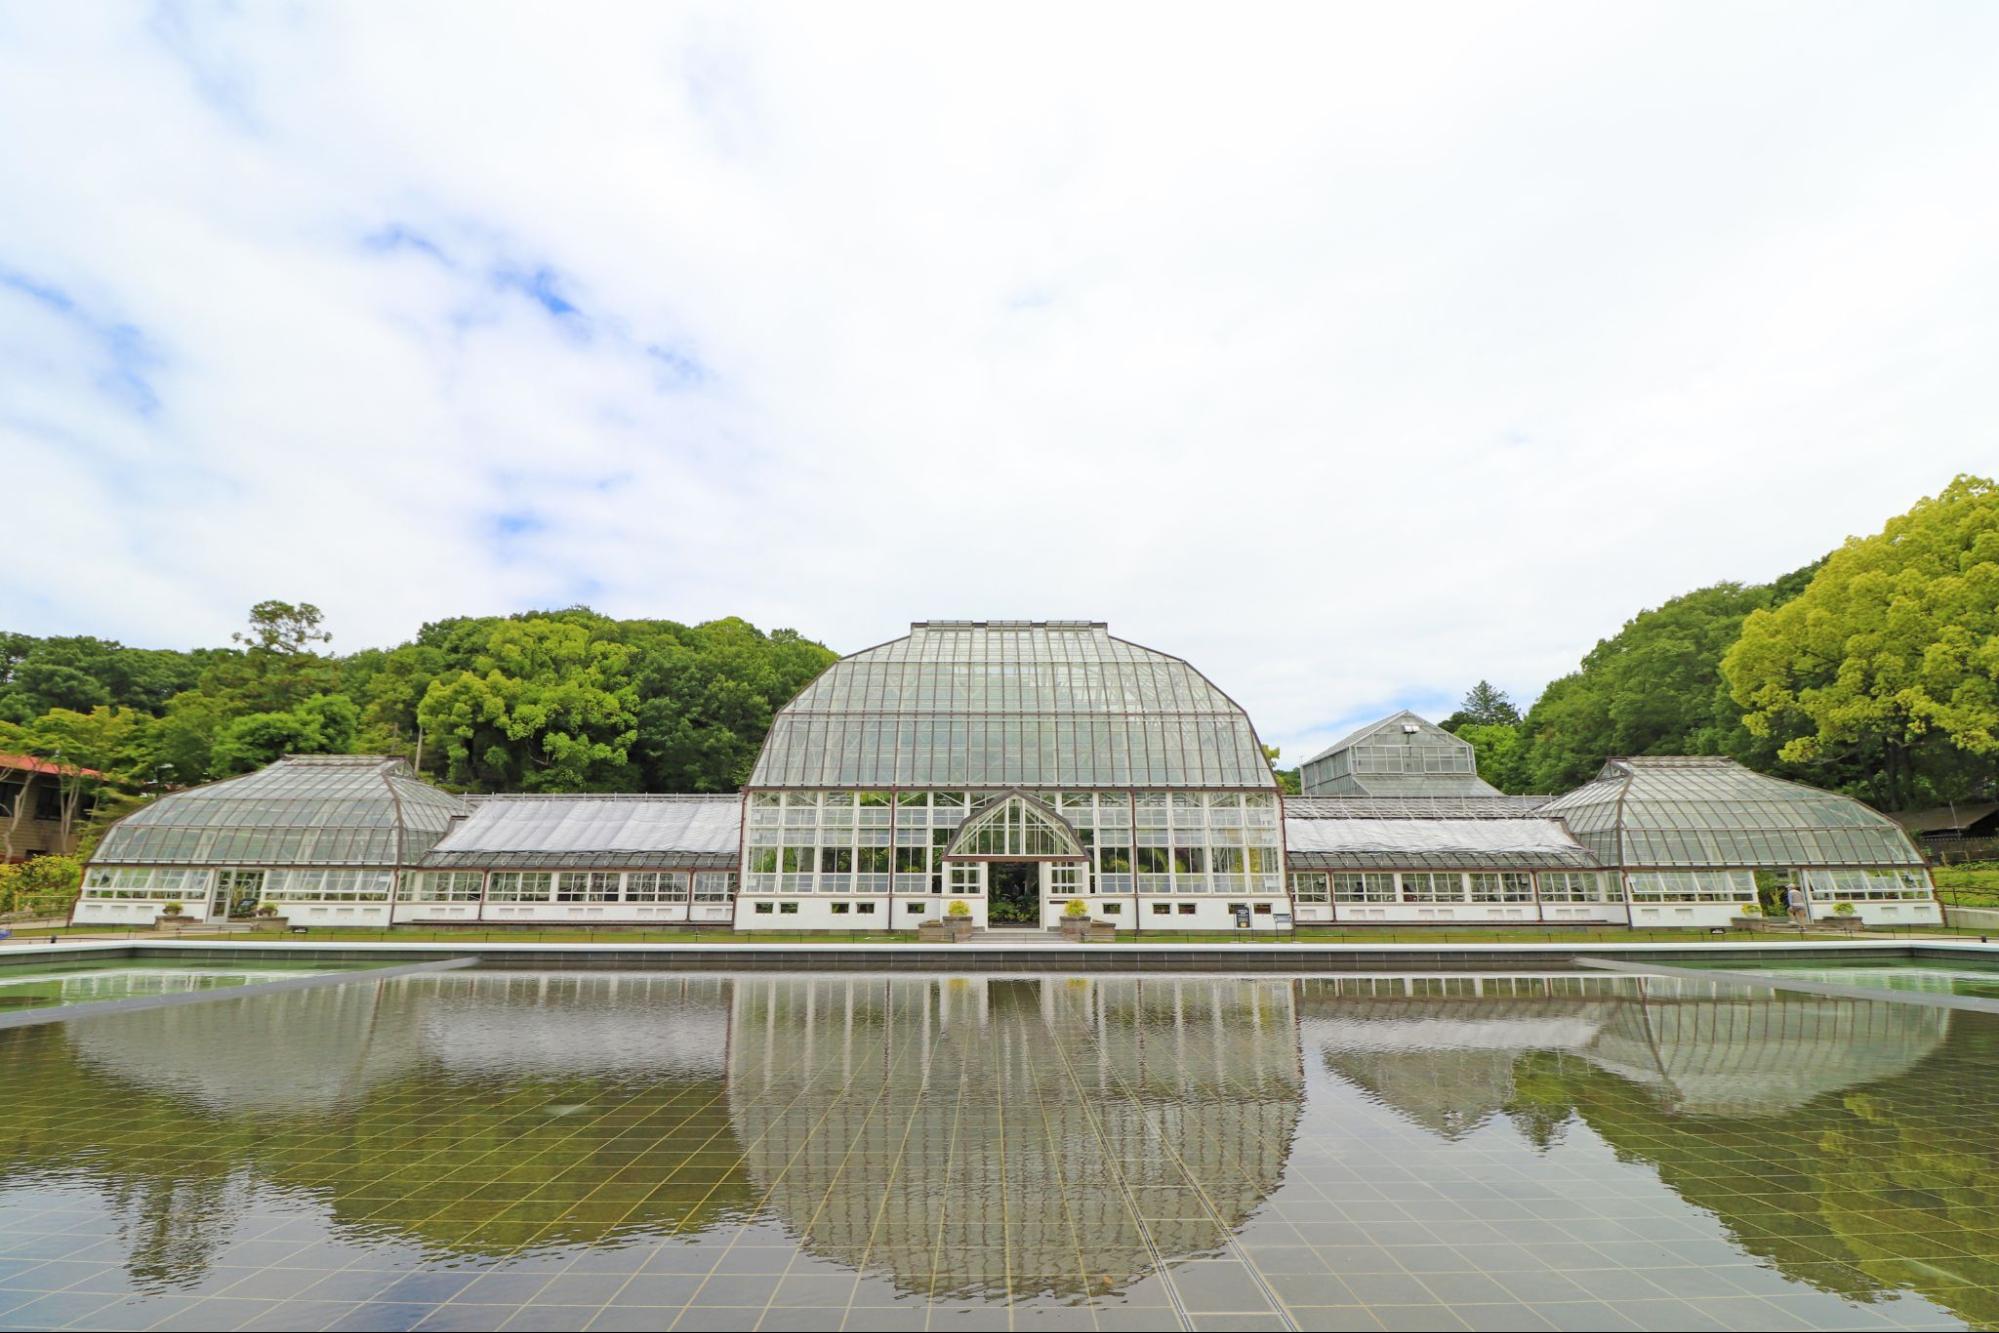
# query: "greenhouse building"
1001,771
1688,834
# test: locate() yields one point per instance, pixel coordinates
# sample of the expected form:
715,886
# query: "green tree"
1485,705
1888,662
548,705
1654,687
1501,750
1288,780
321,724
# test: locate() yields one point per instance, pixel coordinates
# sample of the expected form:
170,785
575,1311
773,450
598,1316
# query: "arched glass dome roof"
304,810
1700,810
997,704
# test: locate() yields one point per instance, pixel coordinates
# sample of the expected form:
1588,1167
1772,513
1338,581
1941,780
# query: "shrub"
173,907
958,908
1842,909
44,885
1077,908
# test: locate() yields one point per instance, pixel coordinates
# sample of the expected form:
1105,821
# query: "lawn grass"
1964,886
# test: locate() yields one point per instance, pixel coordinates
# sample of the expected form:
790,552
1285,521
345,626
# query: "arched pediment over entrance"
1013,826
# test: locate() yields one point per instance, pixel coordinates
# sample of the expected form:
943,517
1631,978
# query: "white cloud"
1351,352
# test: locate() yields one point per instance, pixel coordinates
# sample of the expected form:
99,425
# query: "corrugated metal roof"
1424,843
586,832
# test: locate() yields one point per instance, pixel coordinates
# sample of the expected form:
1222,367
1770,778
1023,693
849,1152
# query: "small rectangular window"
787,909
761,909
1188,909
840,909
1162,909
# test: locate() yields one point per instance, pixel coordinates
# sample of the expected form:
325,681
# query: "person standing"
1795,901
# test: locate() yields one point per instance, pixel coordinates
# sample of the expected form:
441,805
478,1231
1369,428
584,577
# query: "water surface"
54,985
1969,978
483,1150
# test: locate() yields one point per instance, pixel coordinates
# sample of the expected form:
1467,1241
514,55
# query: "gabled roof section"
594,832
1707,810
994,705
1014,824
313,809
1353,737
1965,818
1403,754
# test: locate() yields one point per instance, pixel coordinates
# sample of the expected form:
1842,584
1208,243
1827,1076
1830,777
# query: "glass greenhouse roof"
1000,704
1427,842
594,832
333,810
1710,811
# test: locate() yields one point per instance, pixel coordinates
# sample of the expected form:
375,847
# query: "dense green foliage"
45,886
1873,671
1888,662
543,701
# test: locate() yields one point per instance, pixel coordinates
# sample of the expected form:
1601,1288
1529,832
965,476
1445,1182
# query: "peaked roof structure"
1400,755
994,704
1015,824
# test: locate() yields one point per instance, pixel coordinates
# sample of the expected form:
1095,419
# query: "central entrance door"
1013,894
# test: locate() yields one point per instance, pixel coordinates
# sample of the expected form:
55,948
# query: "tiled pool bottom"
506,1150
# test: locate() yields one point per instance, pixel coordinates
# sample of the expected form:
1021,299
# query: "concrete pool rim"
981,957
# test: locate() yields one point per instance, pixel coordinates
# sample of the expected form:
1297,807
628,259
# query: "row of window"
1147,809
1867,885
327,886
148,883
1692,886
571,886
1429,886
48,801
1499,886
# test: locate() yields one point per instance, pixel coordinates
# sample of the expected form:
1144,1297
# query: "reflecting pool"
1969,978
51,987
533,1150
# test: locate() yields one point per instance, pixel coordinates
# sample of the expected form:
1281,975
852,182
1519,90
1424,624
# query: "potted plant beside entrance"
173,913
1846,916
266,917
958,920
1076,920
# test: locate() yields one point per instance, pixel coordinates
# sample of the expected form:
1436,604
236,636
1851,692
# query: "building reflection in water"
972,1140
1010,1137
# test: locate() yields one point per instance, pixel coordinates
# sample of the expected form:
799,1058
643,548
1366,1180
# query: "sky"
1354,353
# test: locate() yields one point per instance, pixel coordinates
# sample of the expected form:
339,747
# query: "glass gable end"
1015,826
330,810
1001,704
1701,811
